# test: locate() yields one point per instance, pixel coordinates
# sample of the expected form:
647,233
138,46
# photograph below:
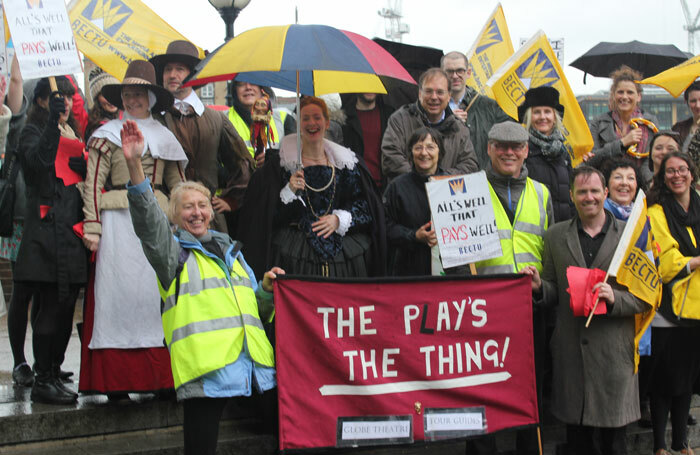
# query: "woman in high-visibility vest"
212,308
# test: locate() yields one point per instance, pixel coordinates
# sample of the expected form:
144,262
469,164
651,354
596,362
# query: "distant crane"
691,25
393,28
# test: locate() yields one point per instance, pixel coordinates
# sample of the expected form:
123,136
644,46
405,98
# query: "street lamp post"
229,9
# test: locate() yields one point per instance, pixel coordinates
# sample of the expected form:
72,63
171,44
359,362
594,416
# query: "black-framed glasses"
459,71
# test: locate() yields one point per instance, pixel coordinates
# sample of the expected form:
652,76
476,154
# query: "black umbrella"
648,59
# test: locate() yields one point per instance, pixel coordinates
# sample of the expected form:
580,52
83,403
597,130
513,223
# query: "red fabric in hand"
581,282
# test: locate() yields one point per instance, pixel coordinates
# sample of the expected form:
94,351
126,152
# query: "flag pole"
595,305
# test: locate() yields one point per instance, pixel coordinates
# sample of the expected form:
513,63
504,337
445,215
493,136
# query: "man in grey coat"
479,113
430,110
594,384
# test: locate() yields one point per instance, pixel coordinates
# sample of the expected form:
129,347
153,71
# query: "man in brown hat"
218,157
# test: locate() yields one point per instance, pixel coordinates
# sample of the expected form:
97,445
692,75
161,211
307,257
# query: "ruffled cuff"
287,195
344,221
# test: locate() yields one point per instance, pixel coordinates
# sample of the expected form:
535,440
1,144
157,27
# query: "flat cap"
508,132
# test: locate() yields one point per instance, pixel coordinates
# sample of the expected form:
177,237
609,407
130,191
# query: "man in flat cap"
523,210
217,155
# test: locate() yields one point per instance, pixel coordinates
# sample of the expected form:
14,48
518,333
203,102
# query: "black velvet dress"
298,250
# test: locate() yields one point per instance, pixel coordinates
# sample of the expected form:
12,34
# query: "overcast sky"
454,24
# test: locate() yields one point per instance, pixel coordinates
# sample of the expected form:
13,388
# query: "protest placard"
368,362
42,38
463,219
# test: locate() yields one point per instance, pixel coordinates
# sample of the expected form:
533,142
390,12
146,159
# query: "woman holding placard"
409,227
674,213
51,257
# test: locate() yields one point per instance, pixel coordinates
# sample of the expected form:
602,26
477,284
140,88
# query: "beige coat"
593,368
107,168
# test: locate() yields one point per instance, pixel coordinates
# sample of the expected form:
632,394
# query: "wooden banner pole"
595,305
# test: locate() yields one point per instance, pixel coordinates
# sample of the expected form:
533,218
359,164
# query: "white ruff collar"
193,100
157,139
339,156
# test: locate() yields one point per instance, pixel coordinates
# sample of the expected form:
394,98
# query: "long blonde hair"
558,122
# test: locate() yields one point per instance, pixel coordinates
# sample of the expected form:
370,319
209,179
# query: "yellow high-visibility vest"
522,242
207,320
276,124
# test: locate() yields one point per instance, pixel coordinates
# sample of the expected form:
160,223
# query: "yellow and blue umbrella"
308,59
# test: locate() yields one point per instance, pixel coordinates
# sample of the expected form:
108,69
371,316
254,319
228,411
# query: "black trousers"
202,417
585,440
52,324
17,314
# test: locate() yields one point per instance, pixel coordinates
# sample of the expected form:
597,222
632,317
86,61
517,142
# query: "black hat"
540,96
179,51
140,73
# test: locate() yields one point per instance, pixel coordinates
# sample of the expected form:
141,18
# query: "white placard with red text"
463,219
42,38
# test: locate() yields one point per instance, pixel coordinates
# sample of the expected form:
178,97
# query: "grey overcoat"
593,383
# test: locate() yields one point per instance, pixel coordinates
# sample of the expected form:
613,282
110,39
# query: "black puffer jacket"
555,175
50,251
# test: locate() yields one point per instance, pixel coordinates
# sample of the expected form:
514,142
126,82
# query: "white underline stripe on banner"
413,386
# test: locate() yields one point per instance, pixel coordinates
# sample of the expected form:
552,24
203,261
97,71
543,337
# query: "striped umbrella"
308,59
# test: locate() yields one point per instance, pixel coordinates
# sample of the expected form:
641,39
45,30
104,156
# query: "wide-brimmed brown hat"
140,73
179,51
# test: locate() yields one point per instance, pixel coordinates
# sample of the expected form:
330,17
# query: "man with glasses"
478,112
429,110
523,210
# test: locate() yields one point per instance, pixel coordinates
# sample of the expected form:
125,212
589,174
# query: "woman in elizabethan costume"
51,259
320,217
122,336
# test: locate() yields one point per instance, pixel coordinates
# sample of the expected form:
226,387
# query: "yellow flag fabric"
634,266
535,65
491,48
675,80
112,33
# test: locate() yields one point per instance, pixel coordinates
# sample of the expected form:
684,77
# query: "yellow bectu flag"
535,65
675,80
634,266
491,48
112,33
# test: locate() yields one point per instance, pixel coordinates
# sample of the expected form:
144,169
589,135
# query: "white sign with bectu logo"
42,38
463,219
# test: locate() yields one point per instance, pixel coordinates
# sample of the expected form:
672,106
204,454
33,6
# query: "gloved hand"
57,106
78,165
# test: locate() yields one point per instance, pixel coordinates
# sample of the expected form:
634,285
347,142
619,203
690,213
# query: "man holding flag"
478,112
594,383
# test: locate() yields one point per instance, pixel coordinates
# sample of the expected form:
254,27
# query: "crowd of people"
180,208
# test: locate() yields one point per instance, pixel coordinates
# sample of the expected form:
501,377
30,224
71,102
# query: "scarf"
156,138
679,220
444,127
621,212
552,146
621,127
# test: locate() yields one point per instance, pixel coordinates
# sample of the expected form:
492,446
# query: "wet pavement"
71,363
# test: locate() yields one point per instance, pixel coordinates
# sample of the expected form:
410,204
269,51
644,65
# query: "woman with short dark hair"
409,226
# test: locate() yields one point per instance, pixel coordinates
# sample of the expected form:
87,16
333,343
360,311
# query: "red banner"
382,362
